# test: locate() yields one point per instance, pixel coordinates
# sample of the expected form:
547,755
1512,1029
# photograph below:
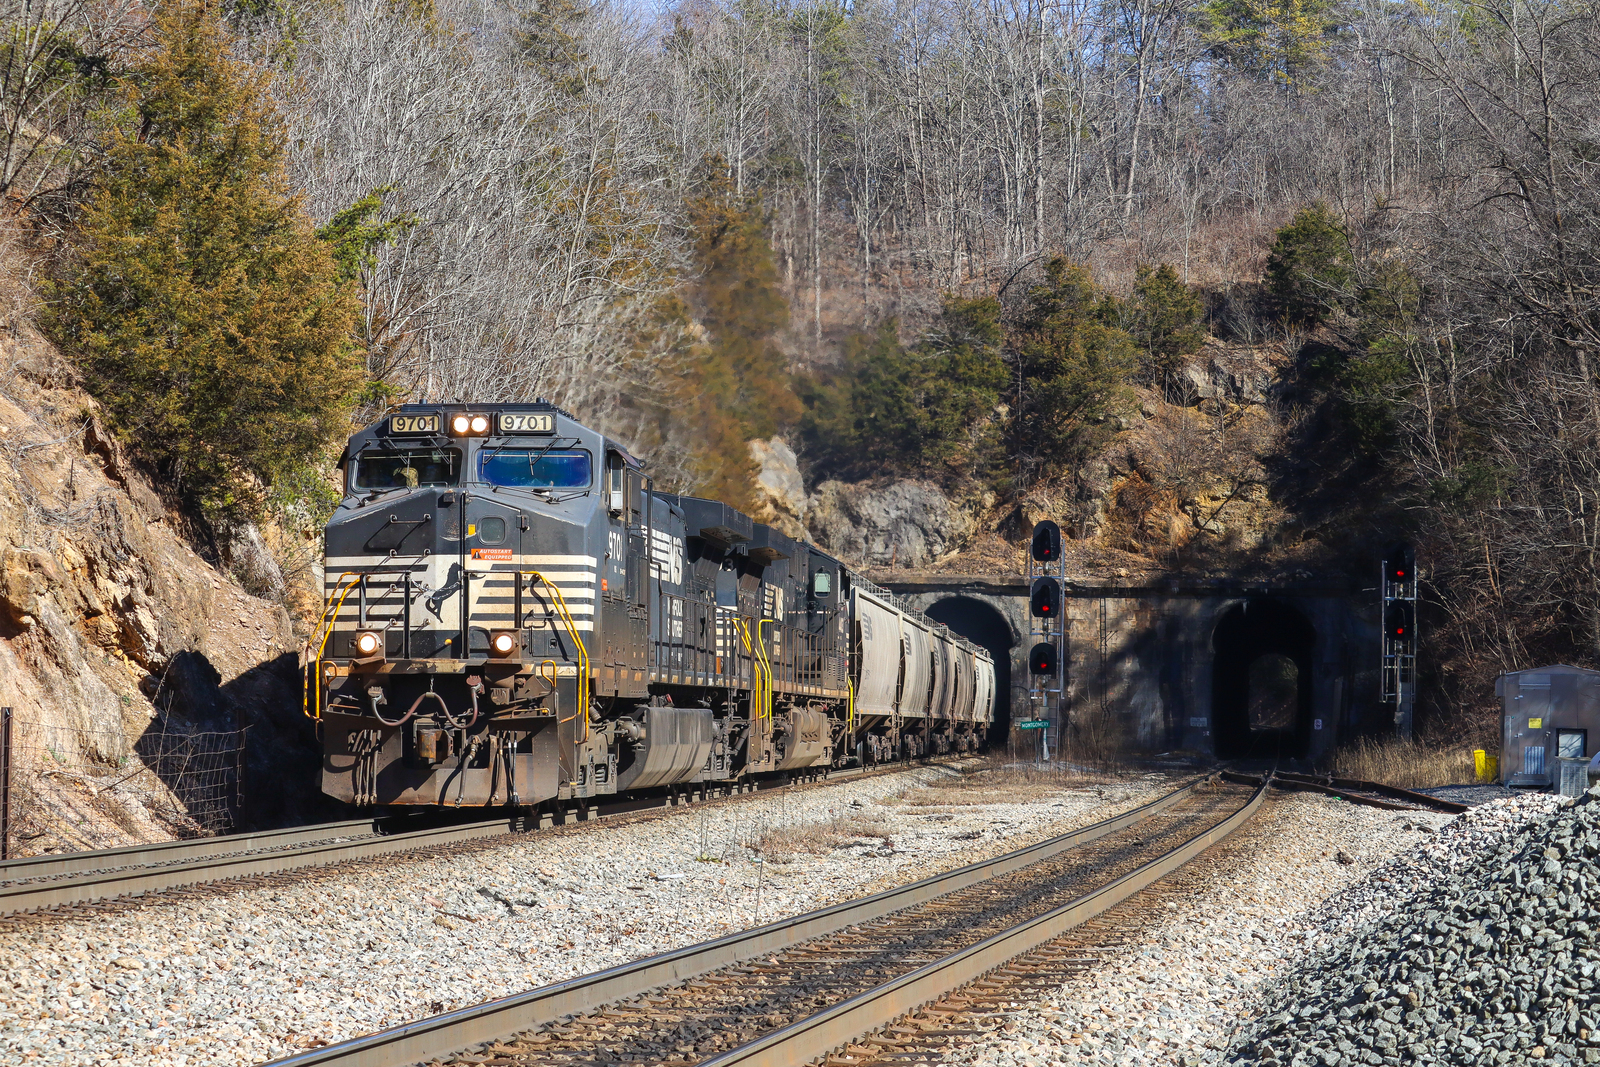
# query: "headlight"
480,424
368,643
460,424
503,643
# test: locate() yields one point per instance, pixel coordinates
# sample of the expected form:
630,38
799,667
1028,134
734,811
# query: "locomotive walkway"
791,991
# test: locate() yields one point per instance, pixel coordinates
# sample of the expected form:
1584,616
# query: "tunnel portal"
983,625
1261,681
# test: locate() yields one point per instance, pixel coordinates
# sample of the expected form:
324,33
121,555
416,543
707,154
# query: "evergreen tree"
202,309
1163,317
739,379
891,408
1278,39
1309,266
1074,366
549,39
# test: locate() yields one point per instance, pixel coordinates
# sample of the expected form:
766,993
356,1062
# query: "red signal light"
1044,598
1397,620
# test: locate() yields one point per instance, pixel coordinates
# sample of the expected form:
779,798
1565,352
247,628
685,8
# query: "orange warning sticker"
492,553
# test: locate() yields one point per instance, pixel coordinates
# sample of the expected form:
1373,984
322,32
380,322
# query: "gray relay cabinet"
1548,714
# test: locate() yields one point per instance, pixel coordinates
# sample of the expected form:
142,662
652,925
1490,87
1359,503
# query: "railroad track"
50,883
792,991
1372,794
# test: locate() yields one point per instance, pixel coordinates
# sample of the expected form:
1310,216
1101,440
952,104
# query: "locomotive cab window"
408,469
821,584
614,468
535,468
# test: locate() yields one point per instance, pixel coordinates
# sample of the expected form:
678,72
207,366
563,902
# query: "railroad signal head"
1043,659
1046,542
1399,564
1044,601
1399,623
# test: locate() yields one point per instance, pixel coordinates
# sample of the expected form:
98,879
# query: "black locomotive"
513,616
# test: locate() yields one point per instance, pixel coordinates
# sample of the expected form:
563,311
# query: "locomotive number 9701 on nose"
513,615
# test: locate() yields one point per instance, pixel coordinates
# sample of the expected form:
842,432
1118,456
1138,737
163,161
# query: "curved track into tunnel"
983,624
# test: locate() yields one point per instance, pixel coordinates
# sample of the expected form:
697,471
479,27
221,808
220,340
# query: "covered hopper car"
513,616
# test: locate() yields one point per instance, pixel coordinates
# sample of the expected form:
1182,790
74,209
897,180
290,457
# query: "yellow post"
1494,769
1480,764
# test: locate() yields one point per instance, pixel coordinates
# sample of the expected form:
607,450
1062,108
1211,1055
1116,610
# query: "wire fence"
71,786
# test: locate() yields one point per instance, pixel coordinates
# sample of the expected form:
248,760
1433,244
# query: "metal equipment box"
1548,714
1574,777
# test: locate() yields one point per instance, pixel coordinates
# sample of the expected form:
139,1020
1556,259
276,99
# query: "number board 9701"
414,424
525,422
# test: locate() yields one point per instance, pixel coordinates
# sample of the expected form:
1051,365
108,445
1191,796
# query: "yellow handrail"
850,714
330,615
583,652
758,692
766,662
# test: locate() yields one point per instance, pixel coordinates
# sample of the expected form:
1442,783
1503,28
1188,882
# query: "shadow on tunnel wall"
240,756
983,625
1269,643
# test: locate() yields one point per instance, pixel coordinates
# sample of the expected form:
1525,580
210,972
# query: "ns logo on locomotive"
513,615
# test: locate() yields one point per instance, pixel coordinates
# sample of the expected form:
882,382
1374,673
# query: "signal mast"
1047,659
1399,660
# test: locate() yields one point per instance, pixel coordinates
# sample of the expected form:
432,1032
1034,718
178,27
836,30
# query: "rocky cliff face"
134,667
881,523
889,523
1186,478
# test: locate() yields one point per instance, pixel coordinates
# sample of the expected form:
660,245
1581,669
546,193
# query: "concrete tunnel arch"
1258,643
984,625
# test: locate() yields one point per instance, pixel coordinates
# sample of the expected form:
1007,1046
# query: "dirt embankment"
151,694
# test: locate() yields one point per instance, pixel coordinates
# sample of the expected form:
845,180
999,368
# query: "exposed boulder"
780,492
244,551
875,524
25,576
1228,376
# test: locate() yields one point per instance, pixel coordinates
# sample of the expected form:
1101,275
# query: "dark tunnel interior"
984,625
1261,681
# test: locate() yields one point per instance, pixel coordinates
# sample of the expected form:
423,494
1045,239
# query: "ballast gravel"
1301,876
1494,962
258,973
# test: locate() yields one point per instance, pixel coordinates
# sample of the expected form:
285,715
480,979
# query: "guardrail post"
5,783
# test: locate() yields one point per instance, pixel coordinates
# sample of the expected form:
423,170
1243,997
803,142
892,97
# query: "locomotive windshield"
535,468
409,468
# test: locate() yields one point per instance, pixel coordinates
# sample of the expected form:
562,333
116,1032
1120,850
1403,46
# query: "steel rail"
1352,789
1392,791
85,877
848,1020
105,859
443,1034
103,885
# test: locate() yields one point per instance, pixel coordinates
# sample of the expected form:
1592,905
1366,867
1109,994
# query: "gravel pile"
1450,846
1493,961
258,973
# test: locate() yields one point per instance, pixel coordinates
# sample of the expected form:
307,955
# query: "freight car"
513,615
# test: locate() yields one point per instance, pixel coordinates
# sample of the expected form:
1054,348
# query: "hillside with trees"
1223,285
